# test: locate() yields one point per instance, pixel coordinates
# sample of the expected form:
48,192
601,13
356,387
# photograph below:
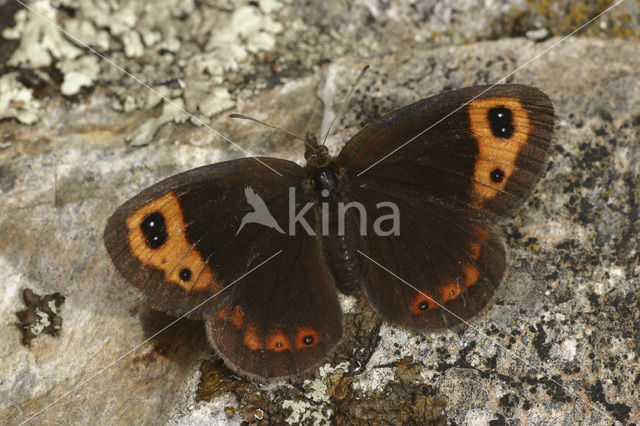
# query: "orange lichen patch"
470,274
450,291
307,337
278,342
422,303
175,254
495,152
474,245
252,338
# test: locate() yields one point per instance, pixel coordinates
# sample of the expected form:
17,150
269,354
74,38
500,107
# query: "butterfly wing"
485,149
441,270
482,158
284,320
210,243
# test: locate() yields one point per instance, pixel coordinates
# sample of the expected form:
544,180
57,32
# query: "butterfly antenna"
344,104
246,117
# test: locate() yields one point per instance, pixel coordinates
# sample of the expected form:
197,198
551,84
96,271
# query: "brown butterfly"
226,230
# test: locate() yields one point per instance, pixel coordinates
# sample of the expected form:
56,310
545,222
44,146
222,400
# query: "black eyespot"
423,306
278,345
497,175
185,274
500,119
154,230
308,340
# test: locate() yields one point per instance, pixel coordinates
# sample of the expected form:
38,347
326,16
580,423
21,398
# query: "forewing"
176,242
481,158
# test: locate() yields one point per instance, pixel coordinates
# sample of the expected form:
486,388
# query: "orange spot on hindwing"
157,238
223,313
422,303
476,244
252,339
278,342
306,337
237,317
450,290
500,127
470,274
474,249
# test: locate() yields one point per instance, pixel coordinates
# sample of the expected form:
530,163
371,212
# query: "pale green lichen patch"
202,46
88,33
78,74
119,18
314,407
238,34
170,112
42,323
133,47
16,100
42,315
40,42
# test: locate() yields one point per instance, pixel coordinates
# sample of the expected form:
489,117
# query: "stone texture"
567,314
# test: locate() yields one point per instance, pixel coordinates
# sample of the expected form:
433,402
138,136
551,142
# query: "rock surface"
561,344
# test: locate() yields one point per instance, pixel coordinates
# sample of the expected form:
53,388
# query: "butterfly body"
327,188
416,230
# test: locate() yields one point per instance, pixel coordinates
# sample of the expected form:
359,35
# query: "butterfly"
261,255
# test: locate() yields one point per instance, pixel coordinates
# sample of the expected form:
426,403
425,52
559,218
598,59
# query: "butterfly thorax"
325,181
321,168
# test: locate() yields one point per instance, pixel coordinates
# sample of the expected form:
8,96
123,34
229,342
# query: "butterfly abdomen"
341,256
341,250
339,230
